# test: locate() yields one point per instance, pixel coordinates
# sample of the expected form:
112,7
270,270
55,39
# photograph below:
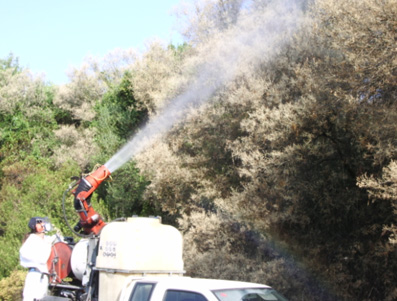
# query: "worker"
34,255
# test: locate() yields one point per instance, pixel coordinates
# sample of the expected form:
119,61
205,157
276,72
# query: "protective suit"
34,255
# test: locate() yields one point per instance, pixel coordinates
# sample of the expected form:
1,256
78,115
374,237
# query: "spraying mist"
259,33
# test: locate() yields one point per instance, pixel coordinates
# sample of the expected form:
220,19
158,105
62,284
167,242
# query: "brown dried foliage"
280,152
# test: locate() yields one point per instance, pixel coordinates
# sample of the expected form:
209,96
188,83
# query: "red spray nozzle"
97,177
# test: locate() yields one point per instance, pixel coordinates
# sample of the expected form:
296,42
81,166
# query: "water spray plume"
257,37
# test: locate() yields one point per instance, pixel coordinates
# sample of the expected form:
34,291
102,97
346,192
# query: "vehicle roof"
194,283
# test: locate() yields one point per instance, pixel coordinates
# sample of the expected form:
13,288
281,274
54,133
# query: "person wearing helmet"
34,255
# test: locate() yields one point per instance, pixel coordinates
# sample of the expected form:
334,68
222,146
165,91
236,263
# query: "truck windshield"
248,294
142,291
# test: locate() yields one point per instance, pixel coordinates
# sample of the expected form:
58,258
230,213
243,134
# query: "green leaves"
120,103
124,194
28,188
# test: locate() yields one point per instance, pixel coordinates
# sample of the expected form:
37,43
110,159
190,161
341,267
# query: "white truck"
134,259
140,259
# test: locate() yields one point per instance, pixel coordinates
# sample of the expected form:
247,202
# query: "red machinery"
59,263
90,220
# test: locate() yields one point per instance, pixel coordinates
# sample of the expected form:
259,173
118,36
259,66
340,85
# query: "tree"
282,147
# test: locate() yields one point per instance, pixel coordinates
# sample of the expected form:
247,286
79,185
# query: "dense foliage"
286,176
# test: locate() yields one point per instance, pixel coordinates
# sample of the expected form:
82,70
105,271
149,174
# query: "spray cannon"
90,220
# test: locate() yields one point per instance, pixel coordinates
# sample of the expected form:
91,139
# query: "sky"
50,37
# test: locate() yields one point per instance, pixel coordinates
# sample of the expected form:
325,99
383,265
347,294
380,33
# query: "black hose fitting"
83,186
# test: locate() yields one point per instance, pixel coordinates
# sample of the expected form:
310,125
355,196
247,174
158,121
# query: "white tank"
78,259
138,246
